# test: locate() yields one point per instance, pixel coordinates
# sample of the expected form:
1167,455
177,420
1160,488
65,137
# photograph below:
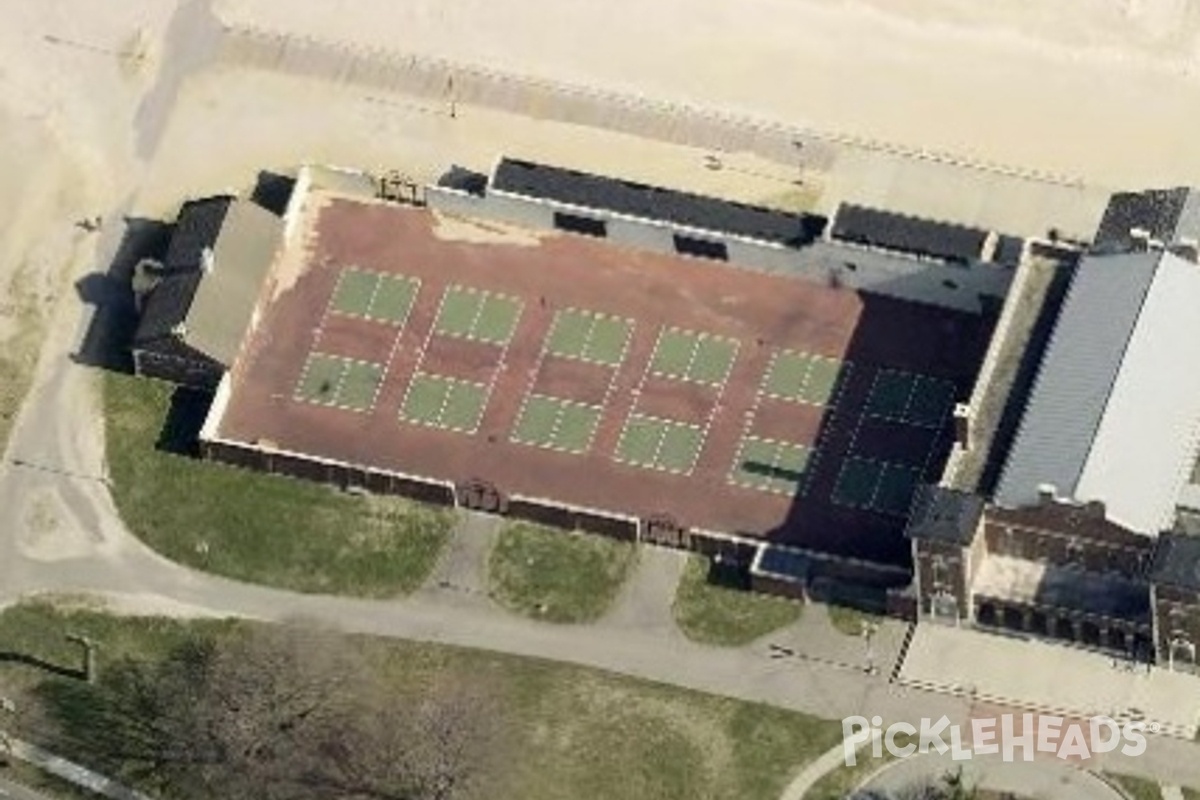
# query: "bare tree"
292,713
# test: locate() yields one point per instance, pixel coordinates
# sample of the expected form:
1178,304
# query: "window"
949,284
703,248
573,223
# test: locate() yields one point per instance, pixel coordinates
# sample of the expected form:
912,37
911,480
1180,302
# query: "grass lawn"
1134,787
837,784
575,732
556,575
255,527
849,621
728,617
22,321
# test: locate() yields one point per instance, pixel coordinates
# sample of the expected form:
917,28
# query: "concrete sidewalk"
1038,778
1051,678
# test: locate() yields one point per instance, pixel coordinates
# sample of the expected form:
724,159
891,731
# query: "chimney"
1047,493
962,425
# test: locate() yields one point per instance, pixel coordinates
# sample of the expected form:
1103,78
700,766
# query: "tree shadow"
118,724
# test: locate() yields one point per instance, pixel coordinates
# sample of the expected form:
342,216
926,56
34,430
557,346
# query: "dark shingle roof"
907,234
656,203
1154,210
197,228
1177,561
167,306
944,515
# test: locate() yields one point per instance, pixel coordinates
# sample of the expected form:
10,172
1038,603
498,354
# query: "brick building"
1077,541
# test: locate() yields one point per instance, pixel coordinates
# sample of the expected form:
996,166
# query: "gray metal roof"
224,304
1114,409
1188,226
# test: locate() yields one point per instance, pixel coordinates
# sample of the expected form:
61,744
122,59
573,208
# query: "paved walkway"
1007,670
814,638
72,772
646,599
1172,793
462,568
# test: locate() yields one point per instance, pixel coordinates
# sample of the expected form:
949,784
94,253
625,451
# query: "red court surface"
695,465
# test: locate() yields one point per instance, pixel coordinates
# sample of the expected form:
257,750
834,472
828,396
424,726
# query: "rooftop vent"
1047,493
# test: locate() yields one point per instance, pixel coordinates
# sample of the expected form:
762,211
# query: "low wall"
558,516
993,383
345,476
447,82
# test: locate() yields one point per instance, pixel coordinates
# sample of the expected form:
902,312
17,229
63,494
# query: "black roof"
1154,210
1008,250
167,306
1177,561
197,228
654,202
944,515
908,234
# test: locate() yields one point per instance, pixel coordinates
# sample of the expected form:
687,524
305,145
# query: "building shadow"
106,343
857,544
727,573
185,417
273,191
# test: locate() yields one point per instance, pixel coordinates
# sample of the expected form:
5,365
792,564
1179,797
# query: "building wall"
1121,636
1068,537
942,571
824,262
1177,613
